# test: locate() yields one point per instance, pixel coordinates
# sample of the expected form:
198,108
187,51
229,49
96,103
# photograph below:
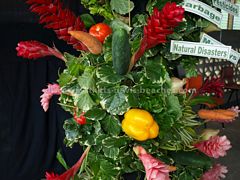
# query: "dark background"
30,138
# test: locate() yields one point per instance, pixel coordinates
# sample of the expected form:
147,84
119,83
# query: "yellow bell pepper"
140,125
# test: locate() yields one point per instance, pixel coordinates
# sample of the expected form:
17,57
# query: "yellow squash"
140,125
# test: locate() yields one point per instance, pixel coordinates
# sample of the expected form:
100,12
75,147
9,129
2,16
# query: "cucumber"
192,158
121,51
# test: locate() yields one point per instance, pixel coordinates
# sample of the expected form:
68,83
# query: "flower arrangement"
129,112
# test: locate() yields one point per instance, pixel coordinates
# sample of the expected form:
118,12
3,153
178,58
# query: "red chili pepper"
81,119
100,31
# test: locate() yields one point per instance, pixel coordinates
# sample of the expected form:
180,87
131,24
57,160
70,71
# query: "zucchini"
121,51
191,158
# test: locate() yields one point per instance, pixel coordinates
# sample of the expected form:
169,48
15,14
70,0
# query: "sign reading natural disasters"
203,10
234,55
200,49
227,6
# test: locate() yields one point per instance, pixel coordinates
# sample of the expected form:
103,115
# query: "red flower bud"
81,119
35,49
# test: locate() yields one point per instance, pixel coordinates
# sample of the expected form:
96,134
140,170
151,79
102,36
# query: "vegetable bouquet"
130,111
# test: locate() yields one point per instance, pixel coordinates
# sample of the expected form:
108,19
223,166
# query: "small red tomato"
100,31
81,119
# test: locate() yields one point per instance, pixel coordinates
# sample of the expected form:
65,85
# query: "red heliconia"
159,25
70,173
61,20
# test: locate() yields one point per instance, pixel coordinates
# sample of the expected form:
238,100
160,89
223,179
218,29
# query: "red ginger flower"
70,172
155,169
61,20
35,49
214,147
159,25
53,89
215,173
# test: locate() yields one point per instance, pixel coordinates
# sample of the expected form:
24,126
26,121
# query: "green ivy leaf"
111,152
102,168
202,23
189,65
85,101
122,6
139,20
74,65
174,106
64,78
87,20
107,75
87,79
95,114
114,100
111,125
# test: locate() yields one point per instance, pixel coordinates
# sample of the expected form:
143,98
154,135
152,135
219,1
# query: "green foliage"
122,6
61,160
87,20
98,7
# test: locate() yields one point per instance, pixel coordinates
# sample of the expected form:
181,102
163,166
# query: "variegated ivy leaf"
106,74
87,79
85,101
155,71
71,132
95,114
115,141
111,152
114,99
111,125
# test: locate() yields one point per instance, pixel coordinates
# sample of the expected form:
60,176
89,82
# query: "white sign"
200,49
227,6
203,10
234,55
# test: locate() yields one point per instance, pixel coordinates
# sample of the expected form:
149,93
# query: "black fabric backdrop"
30,138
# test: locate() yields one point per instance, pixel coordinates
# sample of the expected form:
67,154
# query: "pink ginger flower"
70,172
215,146
215,173
53,89
236,110
35,49
155,169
